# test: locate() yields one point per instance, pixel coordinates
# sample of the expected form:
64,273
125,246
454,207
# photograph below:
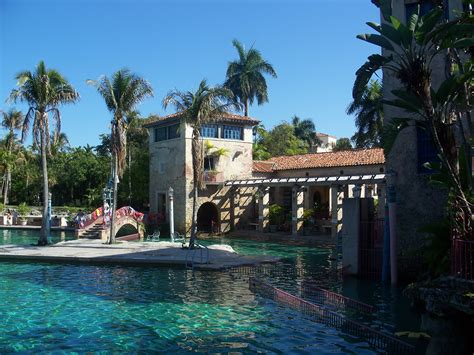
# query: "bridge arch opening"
208,218
126,230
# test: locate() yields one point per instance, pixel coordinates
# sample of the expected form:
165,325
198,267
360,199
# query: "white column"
336,211
263,202
297,195
171,212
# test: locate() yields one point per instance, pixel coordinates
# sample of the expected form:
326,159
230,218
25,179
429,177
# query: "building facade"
418,202
227,152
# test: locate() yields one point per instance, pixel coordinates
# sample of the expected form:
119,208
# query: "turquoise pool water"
77,308
24,236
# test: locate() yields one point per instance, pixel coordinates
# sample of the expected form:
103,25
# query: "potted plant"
23,211
275,213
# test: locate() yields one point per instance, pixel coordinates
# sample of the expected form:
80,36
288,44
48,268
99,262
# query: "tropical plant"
121,94
12,121
306,131
281,140
44,90
23,209
276,214
60,142
342,144
408,51
245,76
368,110
205,105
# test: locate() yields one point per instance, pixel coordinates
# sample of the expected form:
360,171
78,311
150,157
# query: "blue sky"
175,44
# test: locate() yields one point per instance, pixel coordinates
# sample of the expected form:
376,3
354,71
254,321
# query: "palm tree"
43,90
205,105
12,120
60,143
121,94
245,76
368,109
306,131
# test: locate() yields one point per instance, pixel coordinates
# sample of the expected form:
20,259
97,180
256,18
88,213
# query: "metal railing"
193,252
340,302
462,258
383,342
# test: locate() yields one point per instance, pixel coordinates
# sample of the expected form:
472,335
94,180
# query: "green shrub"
23,209
275,214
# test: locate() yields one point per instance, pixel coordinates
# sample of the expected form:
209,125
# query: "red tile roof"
226,117
260,166
355,157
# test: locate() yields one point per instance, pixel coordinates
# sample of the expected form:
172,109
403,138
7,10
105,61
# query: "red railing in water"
381,341
336,300
462,258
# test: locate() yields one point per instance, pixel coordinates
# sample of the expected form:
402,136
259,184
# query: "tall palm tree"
121,94
245,76
12,120
205,105
43,90
368,109
306,131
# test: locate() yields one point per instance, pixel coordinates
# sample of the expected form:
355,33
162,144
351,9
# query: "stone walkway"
145,253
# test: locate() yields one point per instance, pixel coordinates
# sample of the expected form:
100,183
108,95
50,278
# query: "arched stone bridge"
92,225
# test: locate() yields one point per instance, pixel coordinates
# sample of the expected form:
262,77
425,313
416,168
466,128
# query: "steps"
94,232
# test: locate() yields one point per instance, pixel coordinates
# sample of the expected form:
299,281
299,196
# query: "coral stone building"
239,190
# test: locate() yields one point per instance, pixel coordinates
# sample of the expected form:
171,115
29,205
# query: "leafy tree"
245,76
306,131
12,121
368,109
408,51
121,95
342,144
207,104
281,140
43,90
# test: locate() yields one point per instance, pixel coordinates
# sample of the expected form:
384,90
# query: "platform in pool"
148,253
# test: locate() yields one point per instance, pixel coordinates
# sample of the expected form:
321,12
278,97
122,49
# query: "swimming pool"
67,308
25,236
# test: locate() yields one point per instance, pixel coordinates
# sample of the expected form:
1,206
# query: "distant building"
327,143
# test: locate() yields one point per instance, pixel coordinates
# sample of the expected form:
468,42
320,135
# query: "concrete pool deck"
141,253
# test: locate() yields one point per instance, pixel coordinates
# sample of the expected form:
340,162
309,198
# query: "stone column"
336,211
234,208
263,203
297,210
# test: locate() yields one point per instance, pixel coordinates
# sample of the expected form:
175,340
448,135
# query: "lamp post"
171,211
48,222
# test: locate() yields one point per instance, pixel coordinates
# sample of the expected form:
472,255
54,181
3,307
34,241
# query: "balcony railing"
213,177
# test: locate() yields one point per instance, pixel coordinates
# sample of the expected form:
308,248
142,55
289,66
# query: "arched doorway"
208,218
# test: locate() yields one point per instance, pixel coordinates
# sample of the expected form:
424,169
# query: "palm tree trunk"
111,239
196,154
246,109
43,239
6,186
129,175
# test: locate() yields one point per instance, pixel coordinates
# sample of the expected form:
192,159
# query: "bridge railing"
85,221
